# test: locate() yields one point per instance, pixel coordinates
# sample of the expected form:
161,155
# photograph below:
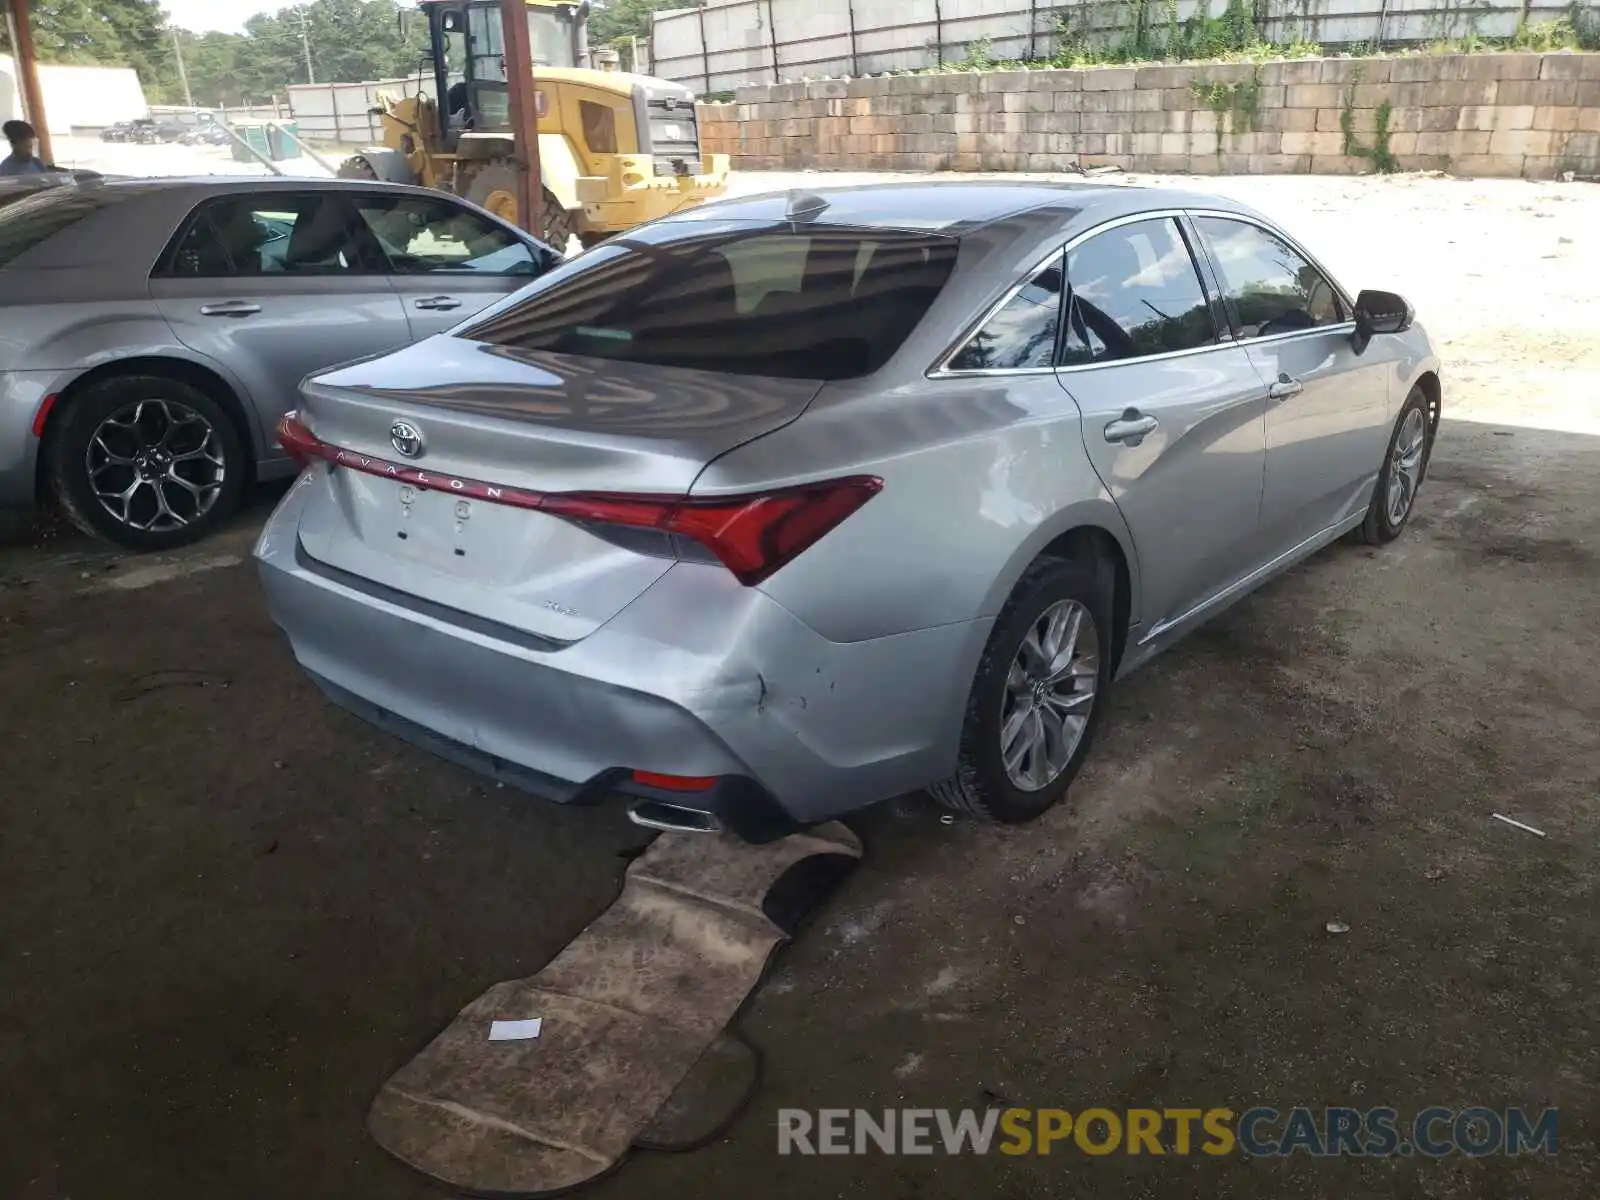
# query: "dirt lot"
231,911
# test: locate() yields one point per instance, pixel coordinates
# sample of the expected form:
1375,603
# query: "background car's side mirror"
1380,312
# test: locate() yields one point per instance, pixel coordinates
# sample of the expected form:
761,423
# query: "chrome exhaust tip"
672,818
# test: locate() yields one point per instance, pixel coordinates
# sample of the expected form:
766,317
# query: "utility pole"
183,74
523,98
305,44
20,27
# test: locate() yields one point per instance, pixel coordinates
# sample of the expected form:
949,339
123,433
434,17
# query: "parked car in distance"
153,331
143,130
208,134
785,505
119,132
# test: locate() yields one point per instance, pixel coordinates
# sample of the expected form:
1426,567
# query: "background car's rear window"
803,304
26,222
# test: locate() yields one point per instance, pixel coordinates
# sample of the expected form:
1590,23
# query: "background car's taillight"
753,536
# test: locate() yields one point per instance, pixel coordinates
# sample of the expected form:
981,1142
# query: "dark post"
850,11
28,77
938,32
1033,29
772,36
705,51
524,105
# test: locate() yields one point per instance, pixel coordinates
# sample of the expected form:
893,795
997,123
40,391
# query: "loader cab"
469,60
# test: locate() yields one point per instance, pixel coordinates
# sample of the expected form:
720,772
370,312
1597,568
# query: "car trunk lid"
440,442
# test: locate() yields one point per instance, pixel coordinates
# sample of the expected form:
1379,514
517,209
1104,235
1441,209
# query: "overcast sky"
227,16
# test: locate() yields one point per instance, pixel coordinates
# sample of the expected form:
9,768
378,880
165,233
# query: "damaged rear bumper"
697,677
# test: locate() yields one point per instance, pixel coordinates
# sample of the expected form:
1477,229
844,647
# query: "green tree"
351,41
130,33
619,19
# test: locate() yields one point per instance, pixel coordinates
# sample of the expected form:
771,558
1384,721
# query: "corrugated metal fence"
726,43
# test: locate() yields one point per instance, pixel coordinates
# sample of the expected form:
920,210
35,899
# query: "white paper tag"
514,1031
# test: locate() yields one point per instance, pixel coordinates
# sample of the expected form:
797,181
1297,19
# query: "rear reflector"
753,536
43,415
676,783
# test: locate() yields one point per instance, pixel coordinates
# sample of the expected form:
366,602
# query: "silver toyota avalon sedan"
782,506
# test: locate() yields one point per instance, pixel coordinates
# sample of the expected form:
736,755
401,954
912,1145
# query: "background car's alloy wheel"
1404,467
145,461
1038,694
155,465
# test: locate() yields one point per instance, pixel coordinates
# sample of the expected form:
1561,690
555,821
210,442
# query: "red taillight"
676,783
753,536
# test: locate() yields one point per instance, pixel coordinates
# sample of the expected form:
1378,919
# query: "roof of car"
165,182
948,207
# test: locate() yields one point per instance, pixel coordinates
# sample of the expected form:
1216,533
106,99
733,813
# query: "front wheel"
147,462
1404,466
1038,696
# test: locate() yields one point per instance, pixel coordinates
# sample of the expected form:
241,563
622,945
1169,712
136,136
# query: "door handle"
230,308
1131,428
438,302
1284,388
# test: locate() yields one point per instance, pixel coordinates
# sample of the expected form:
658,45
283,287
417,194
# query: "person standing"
23,159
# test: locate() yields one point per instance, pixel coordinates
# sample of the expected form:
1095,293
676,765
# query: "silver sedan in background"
153,331
781,506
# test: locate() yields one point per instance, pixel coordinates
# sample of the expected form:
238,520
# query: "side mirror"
1380,312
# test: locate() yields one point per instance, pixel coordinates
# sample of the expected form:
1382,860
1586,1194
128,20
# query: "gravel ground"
231,911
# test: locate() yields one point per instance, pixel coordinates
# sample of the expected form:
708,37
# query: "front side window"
1022,332
272,235
422,235
802,304
550,39
599,127
1270,287
1134,292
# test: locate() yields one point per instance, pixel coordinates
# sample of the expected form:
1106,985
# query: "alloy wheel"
1049,693
155,465
1405,466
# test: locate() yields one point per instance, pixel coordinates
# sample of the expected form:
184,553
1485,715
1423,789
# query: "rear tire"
145,461
1405,464
493,186
1025,738
357,166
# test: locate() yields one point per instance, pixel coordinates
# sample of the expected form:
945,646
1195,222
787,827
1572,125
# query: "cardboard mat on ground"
624,1015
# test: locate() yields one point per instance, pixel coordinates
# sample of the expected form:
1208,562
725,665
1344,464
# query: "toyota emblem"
407,438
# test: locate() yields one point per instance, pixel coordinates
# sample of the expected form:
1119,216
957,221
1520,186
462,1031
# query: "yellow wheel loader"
615,149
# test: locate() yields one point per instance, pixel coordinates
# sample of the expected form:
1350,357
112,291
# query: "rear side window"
277,234
1022,333
808,304
1134,292
27,222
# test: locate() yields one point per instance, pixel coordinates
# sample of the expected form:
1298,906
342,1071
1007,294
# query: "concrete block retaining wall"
1533,116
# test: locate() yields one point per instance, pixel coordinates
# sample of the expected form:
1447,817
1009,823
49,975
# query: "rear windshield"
26,222
808,304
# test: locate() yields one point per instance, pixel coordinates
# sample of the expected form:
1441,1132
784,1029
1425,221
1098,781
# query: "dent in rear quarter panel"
979,474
